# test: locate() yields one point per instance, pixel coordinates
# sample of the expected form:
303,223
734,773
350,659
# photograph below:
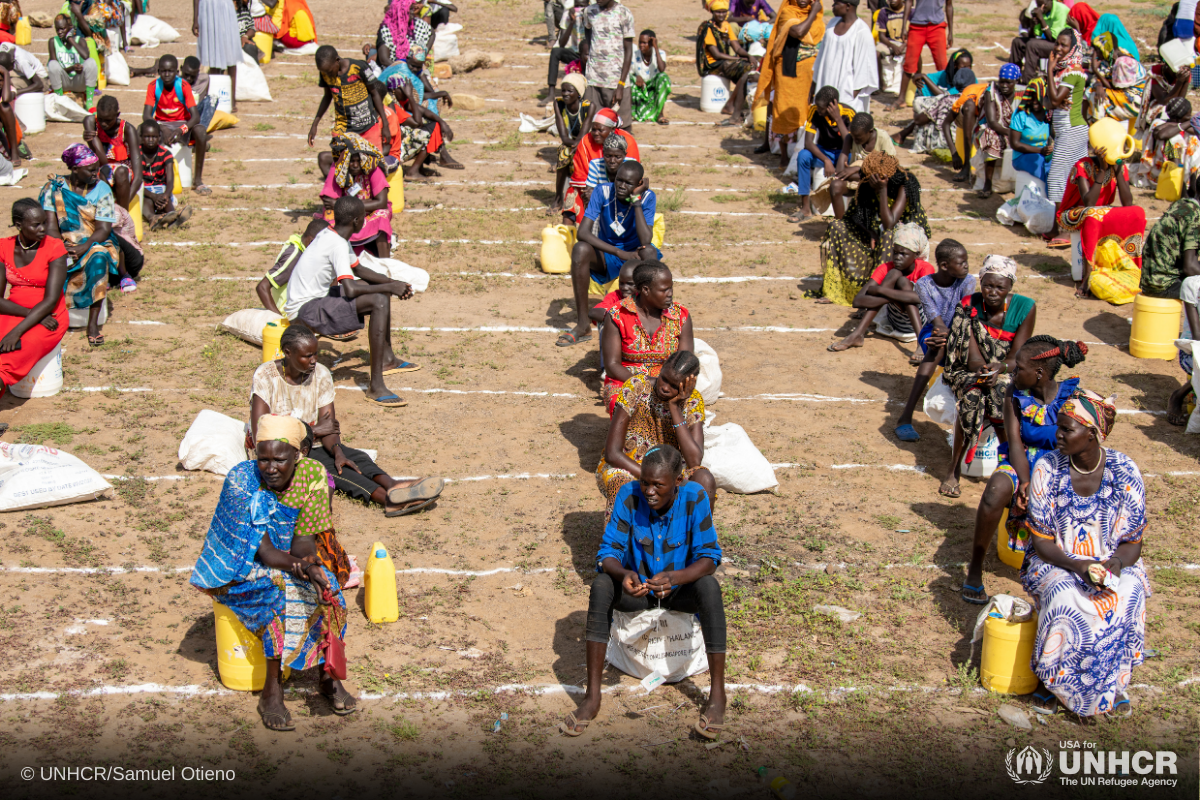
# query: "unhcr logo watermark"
1082,764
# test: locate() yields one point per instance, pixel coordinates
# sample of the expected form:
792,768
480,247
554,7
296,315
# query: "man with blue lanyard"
616,228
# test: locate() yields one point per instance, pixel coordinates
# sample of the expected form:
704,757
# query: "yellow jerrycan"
1009,556
379,584
1007,651
396,189
1114,137
1156,323
23,35
240,659
556,253
272,332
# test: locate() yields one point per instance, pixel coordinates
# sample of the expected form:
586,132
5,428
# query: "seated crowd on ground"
272,555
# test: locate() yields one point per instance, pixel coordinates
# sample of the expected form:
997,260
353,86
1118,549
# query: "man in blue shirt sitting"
659,550
616,227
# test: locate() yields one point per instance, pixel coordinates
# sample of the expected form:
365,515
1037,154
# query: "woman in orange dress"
33,320
645,330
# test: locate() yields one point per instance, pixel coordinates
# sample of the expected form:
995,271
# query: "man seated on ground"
116,142
272,289
1039,32
1170,267
941,294
719,53
865,137
827,143
622,232
301,387
330,293
590,148
170,103
892,289
159,206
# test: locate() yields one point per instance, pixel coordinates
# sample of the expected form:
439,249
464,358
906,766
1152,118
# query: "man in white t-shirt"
330,293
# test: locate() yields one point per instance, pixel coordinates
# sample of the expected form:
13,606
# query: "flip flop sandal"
424,489
341,695
1178,420
569,725
165,219
1122,708
96,341
708,731
1058,244
274,721
975,600
952,494
184,215
128,285
907,433
1045,702
796,218
411,509
341,337
568,338
202,190
405,366
388,401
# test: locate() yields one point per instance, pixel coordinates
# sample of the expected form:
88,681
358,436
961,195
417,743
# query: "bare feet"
662,120
825,301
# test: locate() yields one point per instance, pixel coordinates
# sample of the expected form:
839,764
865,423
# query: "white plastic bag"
1187,345
304,50
78,317
150,31
116,70
248,324
940,404
1002,173
445,46
987,456
708,384
33,476
1036,211
669,642
530,124
1006,214
64,109
397,270
735,462
893,71
251,82
215,443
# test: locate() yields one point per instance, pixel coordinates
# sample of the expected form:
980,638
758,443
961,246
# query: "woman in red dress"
646,329
33,320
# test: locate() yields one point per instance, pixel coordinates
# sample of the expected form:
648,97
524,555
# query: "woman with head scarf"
572,120
786,72
991,131
985,335
1087,517
260,560
892,289
1088,212
1066,89
1119,92
589,148
931,110
1031,407
358,171
854,245
1029,133
82,212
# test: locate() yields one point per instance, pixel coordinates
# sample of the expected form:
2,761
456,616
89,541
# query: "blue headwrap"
1010,72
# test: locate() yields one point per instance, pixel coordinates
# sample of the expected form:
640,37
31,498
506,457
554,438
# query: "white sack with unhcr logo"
34,476
657,639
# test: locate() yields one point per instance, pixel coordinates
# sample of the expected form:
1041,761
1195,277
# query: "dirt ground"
107,655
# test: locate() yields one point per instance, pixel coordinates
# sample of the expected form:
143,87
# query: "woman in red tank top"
33,320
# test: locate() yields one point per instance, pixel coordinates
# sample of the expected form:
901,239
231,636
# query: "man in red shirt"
170,103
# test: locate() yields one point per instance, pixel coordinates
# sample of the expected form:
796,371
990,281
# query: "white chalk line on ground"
523,476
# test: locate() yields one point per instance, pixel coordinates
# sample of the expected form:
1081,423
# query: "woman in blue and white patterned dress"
1087,513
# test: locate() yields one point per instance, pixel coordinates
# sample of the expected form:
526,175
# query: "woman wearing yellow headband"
260,560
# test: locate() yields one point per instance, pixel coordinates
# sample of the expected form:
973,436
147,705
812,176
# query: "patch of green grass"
61,433
672,201
510,142
263,126
402,730
725,198
888,521
965,678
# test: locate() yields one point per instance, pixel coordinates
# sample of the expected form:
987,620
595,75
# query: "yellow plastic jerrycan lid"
1114,137
556,256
